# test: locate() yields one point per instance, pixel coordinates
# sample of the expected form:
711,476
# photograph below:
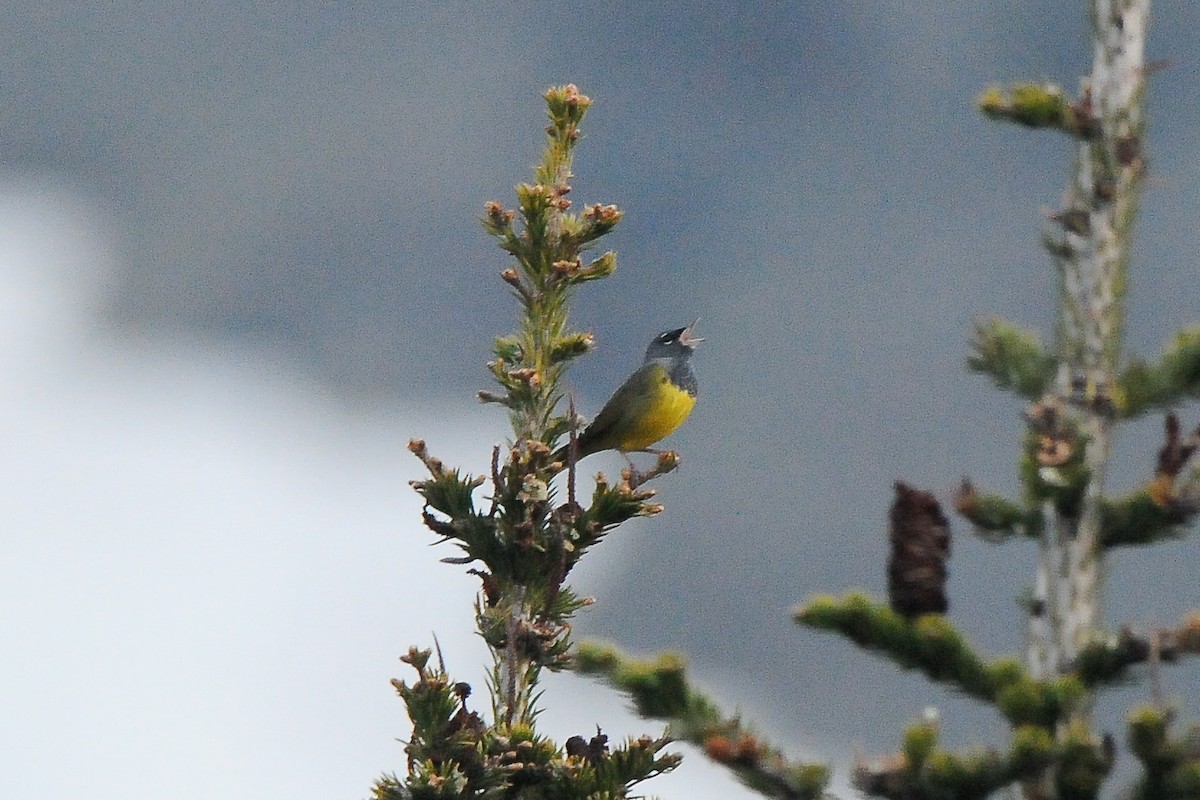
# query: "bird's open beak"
687,339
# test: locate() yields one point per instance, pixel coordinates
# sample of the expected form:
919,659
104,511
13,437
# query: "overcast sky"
240,266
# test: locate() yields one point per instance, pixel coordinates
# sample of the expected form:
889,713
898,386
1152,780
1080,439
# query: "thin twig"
495,481
511,628
1155,665
572,450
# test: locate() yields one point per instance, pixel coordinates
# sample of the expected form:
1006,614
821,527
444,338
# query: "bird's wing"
616,414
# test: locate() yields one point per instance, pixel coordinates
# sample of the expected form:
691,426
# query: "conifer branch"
1079,389
1074,763
453,753
931,645
927,643
1054,466
1040,105
1110,658
1136,519
1166,505
1174,377
1012,357
923,771
995,518
660,689
1171,764
1090,251
520,543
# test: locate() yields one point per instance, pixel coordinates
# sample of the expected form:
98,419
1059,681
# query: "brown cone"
920,536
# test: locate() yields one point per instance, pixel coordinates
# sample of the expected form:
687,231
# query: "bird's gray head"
676,345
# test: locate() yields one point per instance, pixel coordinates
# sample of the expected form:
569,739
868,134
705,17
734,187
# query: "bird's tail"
561,454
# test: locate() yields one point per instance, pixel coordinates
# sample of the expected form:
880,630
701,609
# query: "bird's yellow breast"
661,410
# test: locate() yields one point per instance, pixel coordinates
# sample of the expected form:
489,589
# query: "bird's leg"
629,461
631,473
630,468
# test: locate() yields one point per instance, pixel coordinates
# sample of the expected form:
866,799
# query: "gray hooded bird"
653,401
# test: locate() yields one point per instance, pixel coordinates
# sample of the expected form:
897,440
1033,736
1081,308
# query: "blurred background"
240,266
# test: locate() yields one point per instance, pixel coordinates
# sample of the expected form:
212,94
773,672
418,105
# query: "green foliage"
525,541
390,787
924,771
431,702
547,247
1024,702
919,740
443,753
1078,395
660,689
1012,357
1102,660
1062,483
946,656
994,517
1065,695
1109,658
454,754
1039,105
1184,782
612,505
446,490
1004,672
1030,104
1148,741
1044,703
1083,765
595,774
1032,749
1137,519
596,658
928,643
430,781
570,346
522,539
1174,377
1172,764
971,776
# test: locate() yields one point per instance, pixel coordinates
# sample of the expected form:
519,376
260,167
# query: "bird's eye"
669,337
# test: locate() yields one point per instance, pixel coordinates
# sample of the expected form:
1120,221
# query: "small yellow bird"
653,401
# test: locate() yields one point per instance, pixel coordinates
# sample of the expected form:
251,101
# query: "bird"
653,401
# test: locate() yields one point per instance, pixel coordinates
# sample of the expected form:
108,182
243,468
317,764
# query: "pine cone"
920,537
